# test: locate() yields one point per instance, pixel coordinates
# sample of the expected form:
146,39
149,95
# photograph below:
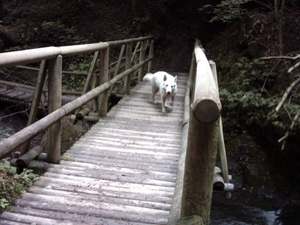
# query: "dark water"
247,209
239,214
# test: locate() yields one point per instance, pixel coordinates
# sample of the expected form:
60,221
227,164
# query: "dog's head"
170,86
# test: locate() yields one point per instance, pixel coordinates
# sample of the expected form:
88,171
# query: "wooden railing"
99,83
202,137
202,125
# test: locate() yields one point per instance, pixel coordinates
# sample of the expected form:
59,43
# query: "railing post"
54,103
52,120
103,77
127,66
142,58
222,149
151,51
202,142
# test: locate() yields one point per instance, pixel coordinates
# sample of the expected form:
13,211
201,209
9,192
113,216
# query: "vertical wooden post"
127,66
151,50
142,58
36,99
103,77
199,168
54,102
91,81
202,144
222,149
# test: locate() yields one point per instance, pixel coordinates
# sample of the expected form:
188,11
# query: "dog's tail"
148,77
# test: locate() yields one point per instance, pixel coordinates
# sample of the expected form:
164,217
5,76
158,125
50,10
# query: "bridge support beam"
54,103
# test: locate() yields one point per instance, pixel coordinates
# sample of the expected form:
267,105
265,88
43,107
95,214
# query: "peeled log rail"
123,171
8,145
16,58
203,136
207,105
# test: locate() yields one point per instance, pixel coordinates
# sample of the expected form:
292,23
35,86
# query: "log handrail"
56,112
201,139
15,58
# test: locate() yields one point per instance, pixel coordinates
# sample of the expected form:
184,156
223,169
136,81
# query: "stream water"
248,209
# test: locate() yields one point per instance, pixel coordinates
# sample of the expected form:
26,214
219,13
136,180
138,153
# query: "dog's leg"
154,91
172,102
163,104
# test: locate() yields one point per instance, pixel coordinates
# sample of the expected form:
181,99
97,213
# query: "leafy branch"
294,120
286,94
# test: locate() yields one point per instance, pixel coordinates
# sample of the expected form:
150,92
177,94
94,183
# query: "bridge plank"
122,171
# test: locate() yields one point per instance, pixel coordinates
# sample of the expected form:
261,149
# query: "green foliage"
285,116
243,74
13,184
243,109
61,34
227,10
245,98
79,64
73,82
69,35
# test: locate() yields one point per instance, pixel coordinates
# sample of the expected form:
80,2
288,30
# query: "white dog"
164,83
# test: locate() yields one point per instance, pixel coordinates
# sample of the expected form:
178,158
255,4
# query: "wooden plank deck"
122,171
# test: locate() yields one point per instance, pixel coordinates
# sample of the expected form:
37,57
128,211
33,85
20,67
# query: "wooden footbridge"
136,165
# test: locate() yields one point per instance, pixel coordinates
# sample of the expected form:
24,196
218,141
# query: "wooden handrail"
14,141
56,113
16,58
206,104
202,144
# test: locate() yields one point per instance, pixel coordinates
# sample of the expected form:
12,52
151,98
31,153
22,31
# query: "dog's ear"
175,79
165,77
